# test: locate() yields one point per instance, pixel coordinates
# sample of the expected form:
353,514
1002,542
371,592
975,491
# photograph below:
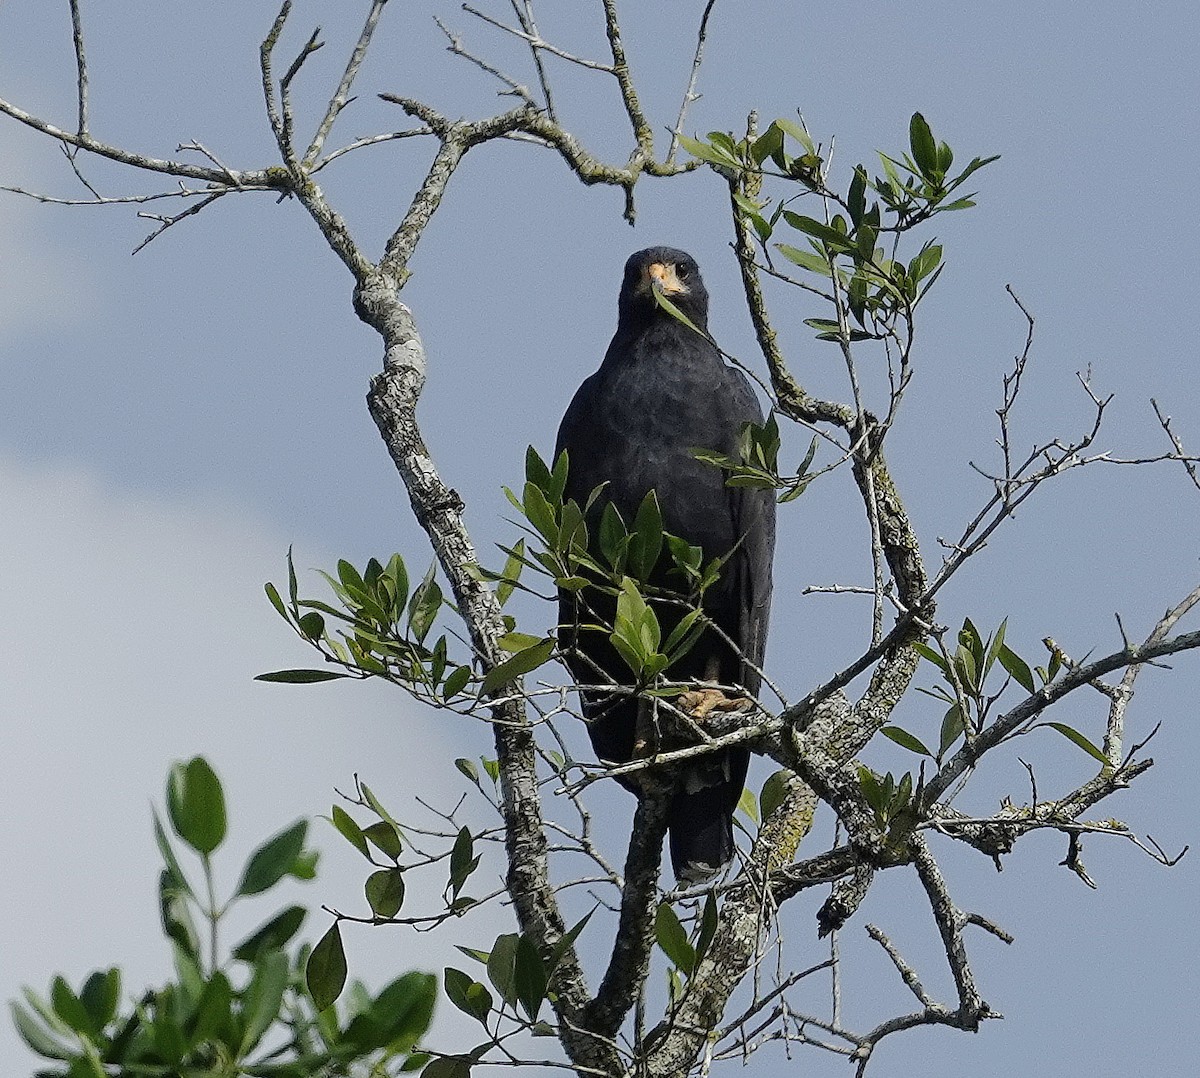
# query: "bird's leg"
699,702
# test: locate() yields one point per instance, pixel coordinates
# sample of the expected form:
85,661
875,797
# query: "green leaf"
646,543
325,972
468,769
906,740
1072,734
924,148
635,629
539,513
964,667
1017,668
518,641
448,1067
522,662
349,577
70,1008
969,637
686,632
673,939
401,1013
462,860
456,682
808,260
677,314
396,574
856,200
301,677
377,805
748,804
500,967
568,940
272,936
348,828
558,477
196,804
424,605
529,977
39,1039
213,1019
275,858
264,997
997,642
705,152
774,790
312,625
305,866
475,953
468,995
768,143
511,573
935,657
613,537
176,915
572,531
952,727
536,471
178,879
875,795
276,601
797,132
827,234
385,891
100,995
385,838
292,584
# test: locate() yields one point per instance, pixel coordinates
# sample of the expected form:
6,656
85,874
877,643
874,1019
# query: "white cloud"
130,630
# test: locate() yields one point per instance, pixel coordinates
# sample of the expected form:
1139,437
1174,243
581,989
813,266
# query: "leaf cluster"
756,464
248,1013
970,690
640,568
855,248
383,630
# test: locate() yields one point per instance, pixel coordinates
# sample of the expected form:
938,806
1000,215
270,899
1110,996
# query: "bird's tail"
701,831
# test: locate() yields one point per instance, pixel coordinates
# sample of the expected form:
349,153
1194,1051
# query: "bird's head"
673,274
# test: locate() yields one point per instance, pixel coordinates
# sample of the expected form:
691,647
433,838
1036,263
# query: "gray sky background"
170,423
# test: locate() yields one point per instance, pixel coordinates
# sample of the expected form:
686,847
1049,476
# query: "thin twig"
342,93
689,94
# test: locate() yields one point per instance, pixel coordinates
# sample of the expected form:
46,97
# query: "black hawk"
662,390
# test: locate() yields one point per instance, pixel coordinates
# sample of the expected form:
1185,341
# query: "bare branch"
167,222
907,973
81,78
1115,729
689,94
265,55
250,178
342,93
456,46
1189,462
523,9
538,43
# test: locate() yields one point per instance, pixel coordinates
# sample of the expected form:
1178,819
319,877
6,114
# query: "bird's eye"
682,269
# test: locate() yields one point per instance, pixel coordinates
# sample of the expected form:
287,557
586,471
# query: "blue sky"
170,423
